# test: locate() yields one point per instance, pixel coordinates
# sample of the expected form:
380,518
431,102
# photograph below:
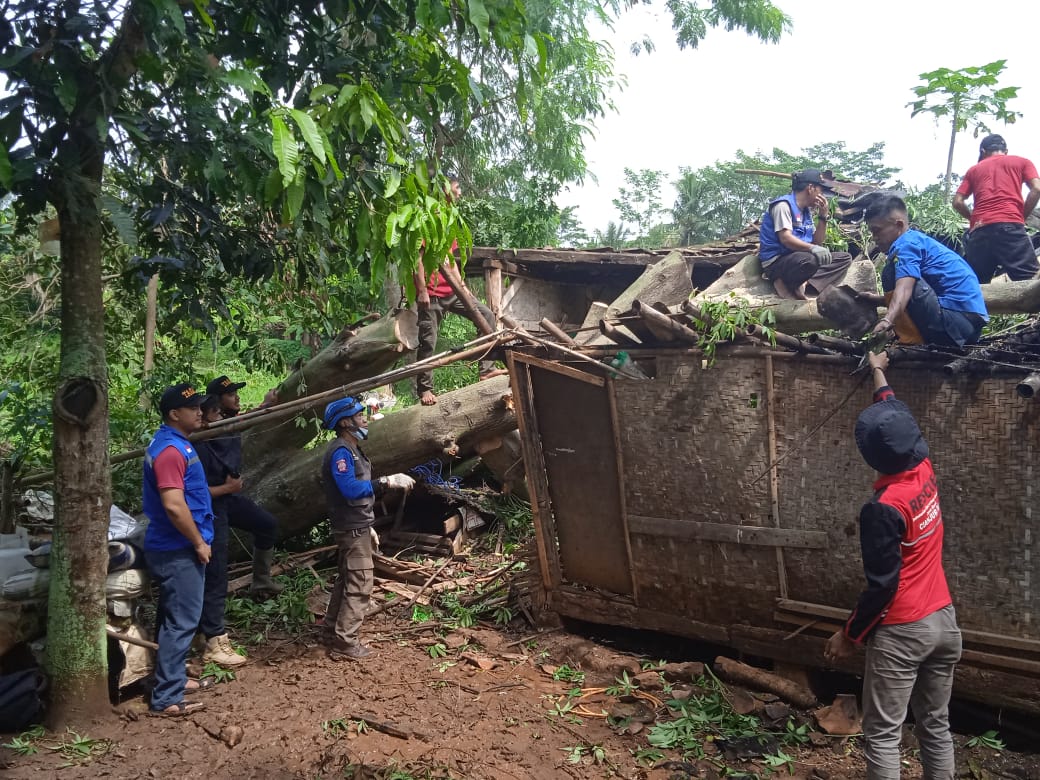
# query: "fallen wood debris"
759,679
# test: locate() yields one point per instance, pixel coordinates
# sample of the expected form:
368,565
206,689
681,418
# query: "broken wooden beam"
663,326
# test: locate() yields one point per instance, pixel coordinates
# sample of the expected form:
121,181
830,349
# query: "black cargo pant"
429,325
1004,246
232,511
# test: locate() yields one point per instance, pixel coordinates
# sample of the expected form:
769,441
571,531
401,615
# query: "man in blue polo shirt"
177,542
932,294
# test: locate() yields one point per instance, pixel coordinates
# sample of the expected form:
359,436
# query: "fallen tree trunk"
745,280
290,487
354,354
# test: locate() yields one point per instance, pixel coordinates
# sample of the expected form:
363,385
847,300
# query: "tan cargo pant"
353,589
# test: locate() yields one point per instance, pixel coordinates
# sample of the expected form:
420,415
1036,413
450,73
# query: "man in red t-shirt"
434,298
905,615
997,235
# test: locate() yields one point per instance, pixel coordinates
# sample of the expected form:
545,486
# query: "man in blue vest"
176,543
791,244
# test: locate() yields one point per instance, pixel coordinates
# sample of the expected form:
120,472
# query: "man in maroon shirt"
997,234
905,615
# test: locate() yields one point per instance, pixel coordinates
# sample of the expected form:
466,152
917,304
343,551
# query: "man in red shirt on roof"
997,234
905,615
434,298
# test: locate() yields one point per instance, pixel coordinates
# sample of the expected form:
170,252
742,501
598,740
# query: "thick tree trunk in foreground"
354,354
76,644
291,488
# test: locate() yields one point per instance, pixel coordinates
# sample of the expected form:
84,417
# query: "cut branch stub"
77,401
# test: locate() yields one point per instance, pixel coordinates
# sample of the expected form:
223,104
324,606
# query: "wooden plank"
567,371
596,607
615,429
982,638
774,479
727,532
564,256
6,498
502,265
510,293
534,464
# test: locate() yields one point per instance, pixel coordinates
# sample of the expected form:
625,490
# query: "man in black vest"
350,493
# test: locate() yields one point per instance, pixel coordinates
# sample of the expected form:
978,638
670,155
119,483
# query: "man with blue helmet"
350,493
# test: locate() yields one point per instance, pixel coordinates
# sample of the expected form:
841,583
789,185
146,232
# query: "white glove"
402,481
375,538
821,253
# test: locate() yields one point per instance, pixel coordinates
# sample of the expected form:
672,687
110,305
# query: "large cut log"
745,279
291,490
670,281
354,354
761,680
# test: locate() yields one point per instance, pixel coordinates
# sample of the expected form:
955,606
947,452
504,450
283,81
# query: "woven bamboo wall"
694,440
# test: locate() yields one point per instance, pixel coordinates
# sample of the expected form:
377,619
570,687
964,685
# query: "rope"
432,472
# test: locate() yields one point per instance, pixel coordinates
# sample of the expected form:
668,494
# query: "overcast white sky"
844,73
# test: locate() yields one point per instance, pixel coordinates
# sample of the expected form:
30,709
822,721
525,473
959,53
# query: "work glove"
402,481
821,253
375,538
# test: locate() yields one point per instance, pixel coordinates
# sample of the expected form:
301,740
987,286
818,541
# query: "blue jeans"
910,664
179,577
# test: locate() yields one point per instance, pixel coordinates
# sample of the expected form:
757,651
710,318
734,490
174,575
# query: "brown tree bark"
354,354
76,643
290,486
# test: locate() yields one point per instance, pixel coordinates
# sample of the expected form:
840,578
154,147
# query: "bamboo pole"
617,335
757,333
298,406
1029,386
663,324
553,329
774,477
844,346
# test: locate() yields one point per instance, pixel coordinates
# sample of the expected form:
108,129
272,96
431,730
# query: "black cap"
179,396
888,437
810,176
992,143
222,385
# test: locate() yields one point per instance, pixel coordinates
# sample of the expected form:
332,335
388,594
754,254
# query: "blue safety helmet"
340,410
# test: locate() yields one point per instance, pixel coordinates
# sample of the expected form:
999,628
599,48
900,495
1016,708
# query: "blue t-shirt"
918,256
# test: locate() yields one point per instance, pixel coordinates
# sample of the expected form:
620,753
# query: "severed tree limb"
759,679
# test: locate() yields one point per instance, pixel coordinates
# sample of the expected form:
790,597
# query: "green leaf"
247,81
368,112
393,184
272,186
285,149
322,92
294,197
331,157
478,16
200,9
66,92
5,169
311,134
120,219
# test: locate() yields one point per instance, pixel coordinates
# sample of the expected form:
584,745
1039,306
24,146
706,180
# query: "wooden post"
493,285
774,479
6,498
610,390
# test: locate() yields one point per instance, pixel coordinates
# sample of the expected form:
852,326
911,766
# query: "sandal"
181,709
201,685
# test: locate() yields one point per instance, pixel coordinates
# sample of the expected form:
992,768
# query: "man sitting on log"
434,298
236,510
350,493
905,615
791,245
933,296
998,236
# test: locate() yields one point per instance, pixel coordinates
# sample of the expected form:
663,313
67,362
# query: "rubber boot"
263,583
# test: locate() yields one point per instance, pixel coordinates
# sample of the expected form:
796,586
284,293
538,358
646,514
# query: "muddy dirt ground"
480,704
